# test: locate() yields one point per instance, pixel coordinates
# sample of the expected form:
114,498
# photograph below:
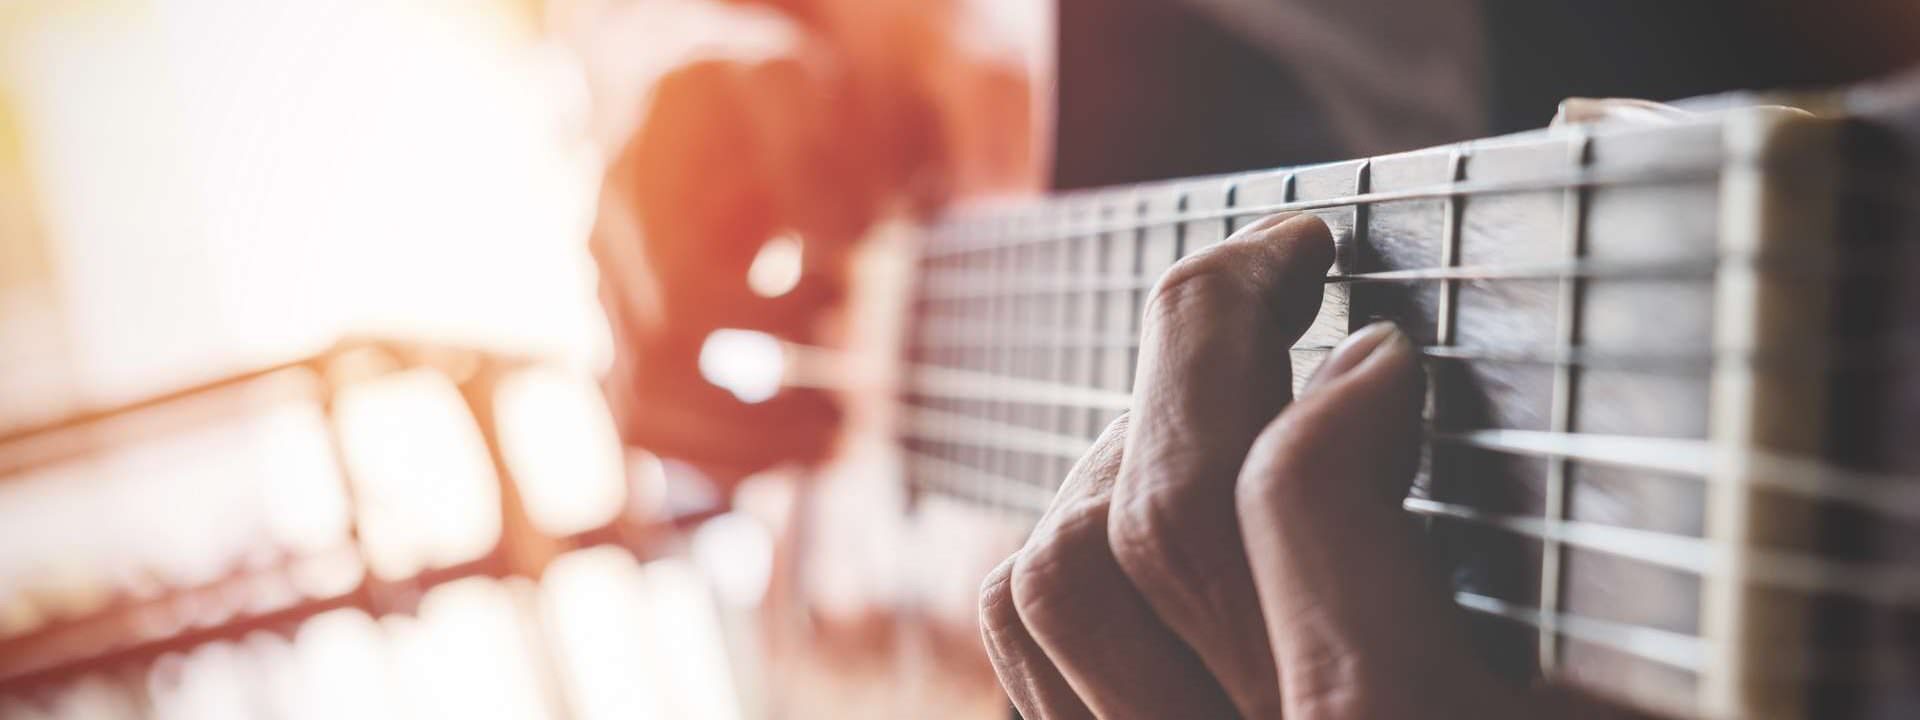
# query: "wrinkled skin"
1228,550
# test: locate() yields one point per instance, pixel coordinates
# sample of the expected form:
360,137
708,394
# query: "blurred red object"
880,110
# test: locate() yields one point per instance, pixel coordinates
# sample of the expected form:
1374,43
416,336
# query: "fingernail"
1354,350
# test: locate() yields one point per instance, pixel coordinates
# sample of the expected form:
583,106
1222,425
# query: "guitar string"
1883,583
1053,394
961,234
1672,648
1678,650
949,333
957,383
951,284
1078,211
1881,494
945,284
1840,356
958,235
1813,478
1654,644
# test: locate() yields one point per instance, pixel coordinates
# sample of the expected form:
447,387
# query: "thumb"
1359,627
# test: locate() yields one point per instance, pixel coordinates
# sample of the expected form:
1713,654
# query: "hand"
1227,551
719,166
876,109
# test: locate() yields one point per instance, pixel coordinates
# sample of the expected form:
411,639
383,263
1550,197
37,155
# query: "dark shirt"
1153,89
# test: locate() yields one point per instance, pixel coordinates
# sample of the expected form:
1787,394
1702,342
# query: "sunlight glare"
426,491
776,269
562,448
746,363
736,551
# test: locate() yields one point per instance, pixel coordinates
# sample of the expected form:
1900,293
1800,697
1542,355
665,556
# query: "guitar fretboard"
1621,332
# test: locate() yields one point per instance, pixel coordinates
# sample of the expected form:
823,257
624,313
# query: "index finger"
1214,369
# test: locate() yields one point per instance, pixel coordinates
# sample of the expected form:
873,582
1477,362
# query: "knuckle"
1101,462
1324,685
1054,569
1200,285
1181,551
1145,535
998,614
1115,433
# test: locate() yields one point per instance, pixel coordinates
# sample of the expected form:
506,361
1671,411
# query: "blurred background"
302,354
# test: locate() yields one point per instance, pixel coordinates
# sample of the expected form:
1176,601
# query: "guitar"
1666,456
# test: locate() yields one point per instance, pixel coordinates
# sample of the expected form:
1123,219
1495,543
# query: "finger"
1214,369
1031,682
1035,686
1358,627
1082,612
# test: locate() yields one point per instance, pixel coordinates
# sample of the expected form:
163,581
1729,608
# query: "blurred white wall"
222,183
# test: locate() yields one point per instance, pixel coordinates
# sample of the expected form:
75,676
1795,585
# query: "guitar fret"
1004,317
1127,306
1121,252
1059,420
1450,249
1085,422
1026,359
977,356
1109,255
1343,264
962,284
978,455
1447,298
1554,505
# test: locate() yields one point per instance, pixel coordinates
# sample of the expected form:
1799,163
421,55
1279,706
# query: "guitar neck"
1631,380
